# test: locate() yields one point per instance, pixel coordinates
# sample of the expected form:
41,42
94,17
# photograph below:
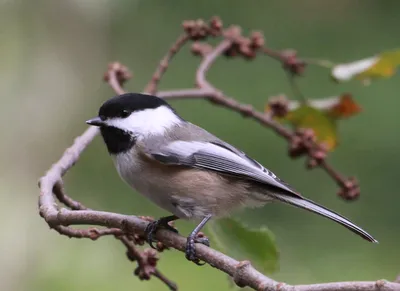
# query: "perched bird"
186,170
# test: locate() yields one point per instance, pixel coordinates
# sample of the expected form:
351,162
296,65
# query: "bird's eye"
125,113
102,117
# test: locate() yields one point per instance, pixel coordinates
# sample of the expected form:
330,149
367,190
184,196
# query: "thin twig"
340,180
116,75
171,285
295,87
207,62
151,87
115,84
58,190
272,53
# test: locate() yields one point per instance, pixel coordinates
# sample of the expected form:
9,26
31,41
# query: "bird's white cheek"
146,122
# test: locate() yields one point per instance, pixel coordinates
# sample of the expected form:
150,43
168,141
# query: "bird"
187,171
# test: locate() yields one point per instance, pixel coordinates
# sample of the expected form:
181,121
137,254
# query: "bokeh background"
53,56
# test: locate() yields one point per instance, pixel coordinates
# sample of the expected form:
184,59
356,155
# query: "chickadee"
188,171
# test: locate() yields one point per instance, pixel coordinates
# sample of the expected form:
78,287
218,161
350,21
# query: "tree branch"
242,272
130,229
151,87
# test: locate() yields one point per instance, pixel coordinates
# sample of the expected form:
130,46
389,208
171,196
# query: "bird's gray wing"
220,157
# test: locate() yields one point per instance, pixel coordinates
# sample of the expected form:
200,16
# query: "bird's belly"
159,197
187,193
169,198
139,180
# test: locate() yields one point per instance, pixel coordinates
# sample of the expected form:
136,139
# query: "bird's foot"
153,226
190,251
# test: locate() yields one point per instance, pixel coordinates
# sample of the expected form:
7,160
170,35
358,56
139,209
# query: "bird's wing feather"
220,157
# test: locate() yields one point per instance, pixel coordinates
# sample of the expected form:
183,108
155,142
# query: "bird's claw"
190,251
152,228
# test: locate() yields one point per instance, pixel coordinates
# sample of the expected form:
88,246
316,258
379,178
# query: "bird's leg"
191,240
153,226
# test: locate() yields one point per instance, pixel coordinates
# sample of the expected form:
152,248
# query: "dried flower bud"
196,29
292,63
233,32
199,23
279,105
257,39
231,52
130,256
301,142
307,134
188,25
122,73
296,148
160,247
151,256
246,51
216,24
149,260
350,189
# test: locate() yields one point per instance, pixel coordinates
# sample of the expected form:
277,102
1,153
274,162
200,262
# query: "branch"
397,280
242,272
151,87
130,229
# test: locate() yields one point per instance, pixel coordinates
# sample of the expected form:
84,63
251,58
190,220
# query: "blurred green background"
53,56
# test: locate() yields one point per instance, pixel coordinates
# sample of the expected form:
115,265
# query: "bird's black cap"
123,105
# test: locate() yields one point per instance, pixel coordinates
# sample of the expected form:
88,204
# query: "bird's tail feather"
314,207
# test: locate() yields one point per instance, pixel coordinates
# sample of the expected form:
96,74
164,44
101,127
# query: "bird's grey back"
187,132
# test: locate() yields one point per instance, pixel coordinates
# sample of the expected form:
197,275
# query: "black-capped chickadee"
186,170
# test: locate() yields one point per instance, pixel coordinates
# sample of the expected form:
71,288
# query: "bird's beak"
95,121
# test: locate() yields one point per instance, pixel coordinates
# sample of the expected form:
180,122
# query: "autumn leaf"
383,65
321,115
344,108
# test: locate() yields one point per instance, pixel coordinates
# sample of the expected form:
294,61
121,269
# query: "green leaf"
239,241
321,122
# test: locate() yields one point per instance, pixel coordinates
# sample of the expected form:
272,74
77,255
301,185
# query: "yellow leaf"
383,65
323,125
320,115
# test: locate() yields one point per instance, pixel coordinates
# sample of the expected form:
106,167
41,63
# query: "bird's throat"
117,140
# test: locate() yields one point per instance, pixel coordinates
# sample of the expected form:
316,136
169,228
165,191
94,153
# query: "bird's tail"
314,207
